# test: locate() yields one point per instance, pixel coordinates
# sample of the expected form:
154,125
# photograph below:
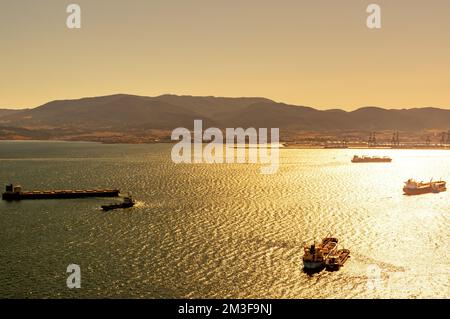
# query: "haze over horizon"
317,54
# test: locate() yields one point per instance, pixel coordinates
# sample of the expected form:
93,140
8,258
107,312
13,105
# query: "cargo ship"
371,159
417,188
16,193
324,255
315,255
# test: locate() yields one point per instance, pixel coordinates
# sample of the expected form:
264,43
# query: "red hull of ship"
423,190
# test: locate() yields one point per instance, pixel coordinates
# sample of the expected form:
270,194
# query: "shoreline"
293,146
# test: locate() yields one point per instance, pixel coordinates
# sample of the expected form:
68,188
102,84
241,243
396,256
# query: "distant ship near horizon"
371,159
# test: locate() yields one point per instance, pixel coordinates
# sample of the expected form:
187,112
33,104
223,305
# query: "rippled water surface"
222,230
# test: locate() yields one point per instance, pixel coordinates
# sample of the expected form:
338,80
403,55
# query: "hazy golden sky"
317,53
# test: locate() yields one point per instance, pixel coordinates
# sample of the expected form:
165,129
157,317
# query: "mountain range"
124,113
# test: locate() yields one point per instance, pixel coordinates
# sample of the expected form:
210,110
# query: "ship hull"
311,265
373,161
424,190
332,267
118,206
11,196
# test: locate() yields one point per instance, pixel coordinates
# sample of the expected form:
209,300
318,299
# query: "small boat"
315,255
127,203
337,259
371,159
416,188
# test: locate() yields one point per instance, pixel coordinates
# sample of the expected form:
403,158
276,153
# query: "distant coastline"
131,119
283,146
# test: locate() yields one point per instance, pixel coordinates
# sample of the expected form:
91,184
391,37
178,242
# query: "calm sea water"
222,230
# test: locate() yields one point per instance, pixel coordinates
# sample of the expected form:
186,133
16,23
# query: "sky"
315,53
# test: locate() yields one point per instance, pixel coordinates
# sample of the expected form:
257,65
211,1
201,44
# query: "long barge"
13,193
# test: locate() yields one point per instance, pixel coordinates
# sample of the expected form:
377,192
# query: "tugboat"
337,259
127,203
416,188
371,159
315,256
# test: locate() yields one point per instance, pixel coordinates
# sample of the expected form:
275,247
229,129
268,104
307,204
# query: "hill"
130,114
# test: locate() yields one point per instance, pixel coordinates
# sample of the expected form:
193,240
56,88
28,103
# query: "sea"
221,230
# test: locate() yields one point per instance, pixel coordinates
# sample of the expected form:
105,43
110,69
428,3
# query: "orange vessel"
416,188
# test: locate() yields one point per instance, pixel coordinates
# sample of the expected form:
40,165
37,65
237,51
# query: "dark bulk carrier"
15,193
